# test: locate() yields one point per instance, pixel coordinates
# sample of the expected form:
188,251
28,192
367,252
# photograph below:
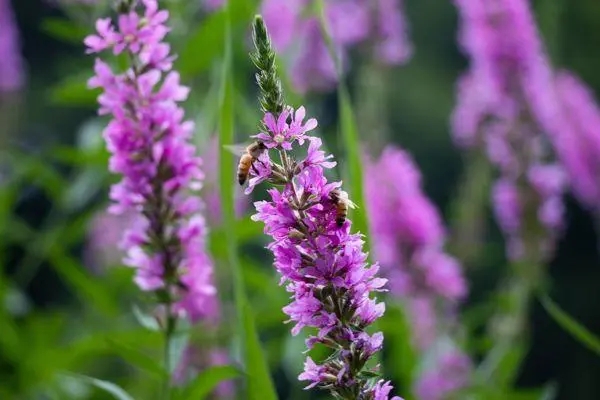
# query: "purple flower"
449,372
408,239
281,133
408,230
578,143
394,45
295,30
507,101
148,139
321,263
12,70
212,5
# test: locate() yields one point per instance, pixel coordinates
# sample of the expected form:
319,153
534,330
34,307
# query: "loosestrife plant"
148,139
322,263
12,70
408,238
295,30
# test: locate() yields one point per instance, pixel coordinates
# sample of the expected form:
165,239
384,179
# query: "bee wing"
236,149
351,204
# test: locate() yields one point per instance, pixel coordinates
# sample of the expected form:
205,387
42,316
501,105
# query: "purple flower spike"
508,103
322,264
408,239
148,139
12,70
296,32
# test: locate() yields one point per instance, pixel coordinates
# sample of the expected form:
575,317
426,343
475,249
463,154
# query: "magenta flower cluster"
12,72
296,31
578,145
507,104
321,262
408,241
149,142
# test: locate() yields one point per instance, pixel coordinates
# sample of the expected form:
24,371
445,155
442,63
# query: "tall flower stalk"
12,69
322,264
408,240
507,105
296,31
149,142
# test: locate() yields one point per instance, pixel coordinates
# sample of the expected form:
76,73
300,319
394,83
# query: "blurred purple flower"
149,145
507,102
104,234
12,70
196,359
212,5
408,239
296,31
449,373
322,263
579,146
407,230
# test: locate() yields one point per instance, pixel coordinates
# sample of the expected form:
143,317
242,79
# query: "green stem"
469,208
170,326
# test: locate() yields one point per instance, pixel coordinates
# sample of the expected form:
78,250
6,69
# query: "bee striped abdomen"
244,168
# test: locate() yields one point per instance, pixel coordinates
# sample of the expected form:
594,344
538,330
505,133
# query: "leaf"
109,387
501,365
569,324
73,91
64,29
203,46
259,384
207,380
88,289
396,328
136,358
178,343
145,320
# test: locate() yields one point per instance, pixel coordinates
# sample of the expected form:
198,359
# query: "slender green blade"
350,137
205,383
258,383
569,324
109,387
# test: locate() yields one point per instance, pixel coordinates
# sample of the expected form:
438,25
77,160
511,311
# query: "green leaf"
145,320
203,46
64,29
568,323
136,358
109,387
178,343
88,289
501,365
207,380
259,384
399,347
73,91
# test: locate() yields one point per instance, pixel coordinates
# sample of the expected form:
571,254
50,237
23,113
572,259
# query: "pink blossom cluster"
408,241
507,103
295,29
323,265
149,142
448,374
12,70
579,146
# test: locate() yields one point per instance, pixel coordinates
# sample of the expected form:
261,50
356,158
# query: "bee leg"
255,169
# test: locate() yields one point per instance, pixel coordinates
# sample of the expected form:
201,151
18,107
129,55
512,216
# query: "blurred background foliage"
62,315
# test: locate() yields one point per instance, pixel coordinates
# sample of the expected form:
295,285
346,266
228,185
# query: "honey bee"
247,159
342,203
